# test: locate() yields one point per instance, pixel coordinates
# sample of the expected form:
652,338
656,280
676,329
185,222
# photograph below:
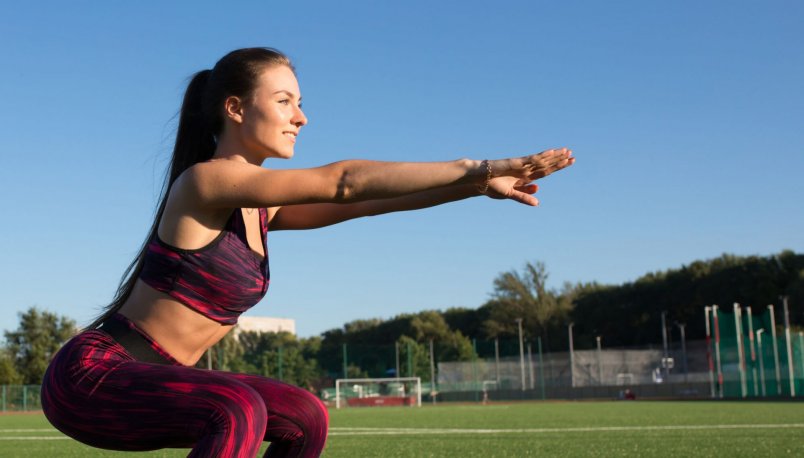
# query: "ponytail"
200,123
195,143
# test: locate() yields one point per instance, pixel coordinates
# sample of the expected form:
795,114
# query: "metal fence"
19,398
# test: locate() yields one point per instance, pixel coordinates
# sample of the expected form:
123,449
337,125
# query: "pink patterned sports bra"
221,280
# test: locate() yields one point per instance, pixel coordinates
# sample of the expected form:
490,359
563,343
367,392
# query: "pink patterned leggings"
95,392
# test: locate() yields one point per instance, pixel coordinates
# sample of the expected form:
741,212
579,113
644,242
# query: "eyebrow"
288,93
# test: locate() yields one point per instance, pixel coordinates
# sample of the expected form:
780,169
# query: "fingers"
523,198
528,188
543,164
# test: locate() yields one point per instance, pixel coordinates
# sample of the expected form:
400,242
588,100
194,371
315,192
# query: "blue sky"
687,119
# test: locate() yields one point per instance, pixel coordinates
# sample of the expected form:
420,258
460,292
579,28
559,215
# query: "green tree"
526,296
8,373
282,356
38,337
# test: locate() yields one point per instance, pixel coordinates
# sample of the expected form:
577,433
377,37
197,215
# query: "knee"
241,410
316,417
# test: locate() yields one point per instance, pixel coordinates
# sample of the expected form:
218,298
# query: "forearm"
313,216
422,199
361,180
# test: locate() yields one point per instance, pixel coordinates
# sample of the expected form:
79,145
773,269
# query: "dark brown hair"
200,123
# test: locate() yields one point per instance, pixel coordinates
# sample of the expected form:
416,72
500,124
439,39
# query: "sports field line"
401,431
335,431
33,438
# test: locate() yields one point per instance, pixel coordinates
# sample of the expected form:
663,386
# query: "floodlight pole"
396,350
753,351
599,363
790,369
572,356
432,374
716,323
521,352
664,342
681,327
709,361
497,359
775,342
761,361
738,329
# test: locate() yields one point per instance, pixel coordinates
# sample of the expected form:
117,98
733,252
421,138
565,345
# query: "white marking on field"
335,431
33,438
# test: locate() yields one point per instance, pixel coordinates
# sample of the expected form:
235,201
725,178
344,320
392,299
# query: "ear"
233,109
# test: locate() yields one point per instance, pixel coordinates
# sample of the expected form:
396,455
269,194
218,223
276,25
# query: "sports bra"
221,280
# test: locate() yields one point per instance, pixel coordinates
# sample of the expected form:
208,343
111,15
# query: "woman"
127,382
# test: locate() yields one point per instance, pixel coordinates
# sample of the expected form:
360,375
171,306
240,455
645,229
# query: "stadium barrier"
19,398
749,366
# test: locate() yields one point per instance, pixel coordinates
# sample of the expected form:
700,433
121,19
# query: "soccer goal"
372,392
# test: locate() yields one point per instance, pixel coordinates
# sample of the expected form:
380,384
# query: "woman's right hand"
533,167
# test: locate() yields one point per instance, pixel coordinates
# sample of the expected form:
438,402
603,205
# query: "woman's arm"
230,184
312,216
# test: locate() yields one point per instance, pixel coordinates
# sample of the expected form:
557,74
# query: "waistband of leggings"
143,349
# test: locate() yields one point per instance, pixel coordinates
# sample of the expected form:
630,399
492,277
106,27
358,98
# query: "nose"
299,119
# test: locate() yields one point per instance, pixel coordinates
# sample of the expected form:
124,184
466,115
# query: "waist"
136,343
180,330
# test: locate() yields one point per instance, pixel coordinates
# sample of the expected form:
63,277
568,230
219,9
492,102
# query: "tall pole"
738,328
541,366
681,327
521,352
345,365
572,356
761,362
497,359
709,361
432,373
753,351
664,343
790,370
717,351
775,342
599,362
801,348
530,368
396,350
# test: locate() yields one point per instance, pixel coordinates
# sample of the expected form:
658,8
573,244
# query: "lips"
291,135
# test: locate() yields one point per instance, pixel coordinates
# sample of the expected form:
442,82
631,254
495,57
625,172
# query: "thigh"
143,406
293,413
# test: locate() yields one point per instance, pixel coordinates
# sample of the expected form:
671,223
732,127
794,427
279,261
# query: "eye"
284,101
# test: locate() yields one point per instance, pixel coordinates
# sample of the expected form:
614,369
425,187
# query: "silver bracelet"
488,177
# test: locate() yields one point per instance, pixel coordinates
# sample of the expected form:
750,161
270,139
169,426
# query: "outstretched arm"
230,184
311,216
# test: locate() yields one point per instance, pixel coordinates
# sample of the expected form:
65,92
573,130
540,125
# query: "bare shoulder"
204,182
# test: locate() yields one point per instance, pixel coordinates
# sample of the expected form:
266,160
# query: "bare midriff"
181,331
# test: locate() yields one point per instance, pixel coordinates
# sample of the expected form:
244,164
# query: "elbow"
346,189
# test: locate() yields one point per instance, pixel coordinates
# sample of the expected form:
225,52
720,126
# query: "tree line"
626,315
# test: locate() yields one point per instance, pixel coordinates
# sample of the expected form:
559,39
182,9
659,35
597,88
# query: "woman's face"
273,117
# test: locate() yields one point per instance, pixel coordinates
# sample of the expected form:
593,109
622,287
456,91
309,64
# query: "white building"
265,324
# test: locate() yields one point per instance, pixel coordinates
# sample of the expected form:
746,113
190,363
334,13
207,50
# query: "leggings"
97,393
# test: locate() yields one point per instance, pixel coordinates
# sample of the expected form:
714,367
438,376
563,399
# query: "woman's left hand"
513,188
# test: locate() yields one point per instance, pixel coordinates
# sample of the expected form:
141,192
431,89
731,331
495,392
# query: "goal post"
369,392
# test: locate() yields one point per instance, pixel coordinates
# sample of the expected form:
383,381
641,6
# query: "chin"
274,154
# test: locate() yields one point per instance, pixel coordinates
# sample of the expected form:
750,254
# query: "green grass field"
602,429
